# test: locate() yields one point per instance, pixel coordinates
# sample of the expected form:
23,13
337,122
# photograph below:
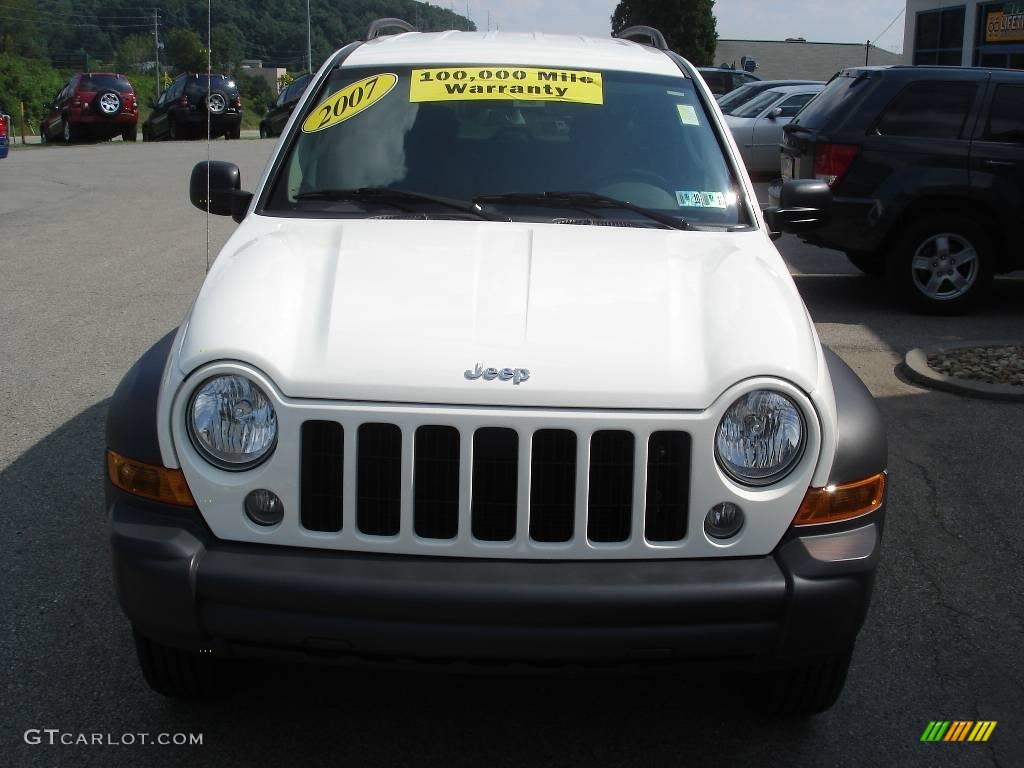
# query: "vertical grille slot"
611,486
495,483
379,479
436,483
668,486
323,464
553,485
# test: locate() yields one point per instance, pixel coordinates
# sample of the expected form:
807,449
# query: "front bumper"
180,585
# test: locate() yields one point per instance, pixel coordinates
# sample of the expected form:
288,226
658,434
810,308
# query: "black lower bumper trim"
181,586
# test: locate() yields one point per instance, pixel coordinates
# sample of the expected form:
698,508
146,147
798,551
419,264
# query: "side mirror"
226,197
775,113
804,204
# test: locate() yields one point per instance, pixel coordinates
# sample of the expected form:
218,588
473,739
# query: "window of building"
929,110
1006,117
939,37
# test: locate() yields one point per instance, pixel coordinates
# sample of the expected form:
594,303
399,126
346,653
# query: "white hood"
602,317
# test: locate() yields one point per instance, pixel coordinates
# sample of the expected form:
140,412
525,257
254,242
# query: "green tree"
227,47
184,50
256,92
688,25
29,82
132,52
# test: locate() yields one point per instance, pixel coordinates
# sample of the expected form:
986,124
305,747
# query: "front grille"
495,483
379,479
464,484
436,482
553,485
323,463
611,486
668,486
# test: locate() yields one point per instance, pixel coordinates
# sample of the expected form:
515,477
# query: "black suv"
277,116
181,111
926,165
722,81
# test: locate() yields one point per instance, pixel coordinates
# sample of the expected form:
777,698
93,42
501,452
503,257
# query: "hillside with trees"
43,41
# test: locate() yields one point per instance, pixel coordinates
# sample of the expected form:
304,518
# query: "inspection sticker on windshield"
687,114
701,199
349,102
510,83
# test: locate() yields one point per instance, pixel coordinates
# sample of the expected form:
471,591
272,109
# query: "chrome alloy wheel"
945,267
216,103
110,103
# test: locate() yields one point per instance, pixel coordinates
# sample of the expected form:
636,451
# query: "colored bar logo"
958,730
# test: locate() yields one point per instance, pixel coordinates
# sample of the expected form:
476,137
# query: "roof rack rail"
643,35
378,26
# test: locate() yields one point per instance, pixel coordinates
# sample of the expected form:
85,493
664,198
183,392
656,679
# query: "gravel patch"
991,365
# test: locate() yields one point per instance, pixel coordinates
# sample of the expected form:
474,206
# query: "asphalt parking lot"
102,254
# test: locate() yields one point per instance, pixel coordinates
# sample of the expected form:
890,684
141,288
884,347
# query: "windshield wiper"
395,198
580,201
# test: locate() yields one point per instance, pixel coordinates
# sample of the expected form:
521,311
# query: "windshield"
757,105
466,133
835,93
100,82
741,95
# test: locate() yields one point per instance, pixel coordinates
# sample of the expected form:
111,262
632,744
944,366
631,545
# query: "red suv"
95,105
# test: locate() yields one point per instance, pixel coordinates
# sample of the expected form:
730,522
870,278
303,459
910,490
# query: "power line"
879,37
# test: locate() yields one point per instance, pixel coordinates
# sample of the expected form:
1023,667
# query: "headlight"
232,422
760,439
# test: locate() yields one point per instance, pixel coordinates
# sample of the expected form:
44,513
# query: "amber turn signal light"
148,481
841,502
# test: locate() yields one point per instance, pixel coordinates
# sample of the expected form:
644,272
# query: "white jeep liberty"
500,365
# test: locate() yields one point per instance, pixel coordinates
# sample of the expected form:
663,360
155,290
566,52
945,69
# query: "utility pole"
156,42
309,38
867,52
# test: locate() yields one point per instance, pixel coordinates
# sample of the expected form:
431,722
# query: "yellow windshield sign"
349,102
506,83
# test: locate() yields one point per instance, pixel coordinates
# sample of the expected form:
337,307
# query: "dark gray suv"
926,166
192,102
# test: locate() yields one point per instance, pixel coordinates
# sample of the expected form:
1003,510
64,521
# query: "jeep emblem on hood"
515,375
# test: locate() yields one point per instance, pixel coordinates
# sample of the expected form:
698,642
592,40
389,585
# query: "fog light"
723,521
264,507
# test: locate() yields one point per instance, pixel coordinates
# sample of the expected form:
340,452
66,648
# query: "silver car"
757,124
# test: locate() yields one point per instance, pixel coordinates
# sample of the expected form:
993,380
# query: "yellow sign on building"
1003,27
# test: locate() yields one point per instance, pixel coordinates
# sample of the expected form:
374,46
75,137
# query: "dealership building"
981,34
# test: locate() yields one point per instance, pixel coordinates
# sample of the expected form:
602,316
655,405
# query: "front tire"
177,673
264,131
807,689
172,130
942,264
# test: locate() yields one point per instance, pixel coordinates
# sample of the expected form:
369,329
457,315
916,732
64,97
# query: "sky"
827,21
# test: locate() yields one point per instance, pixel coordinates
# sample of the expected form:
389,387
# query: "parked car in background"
277,116
5,123
757,125
92,105
735,99
722,81
927,169
192,101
